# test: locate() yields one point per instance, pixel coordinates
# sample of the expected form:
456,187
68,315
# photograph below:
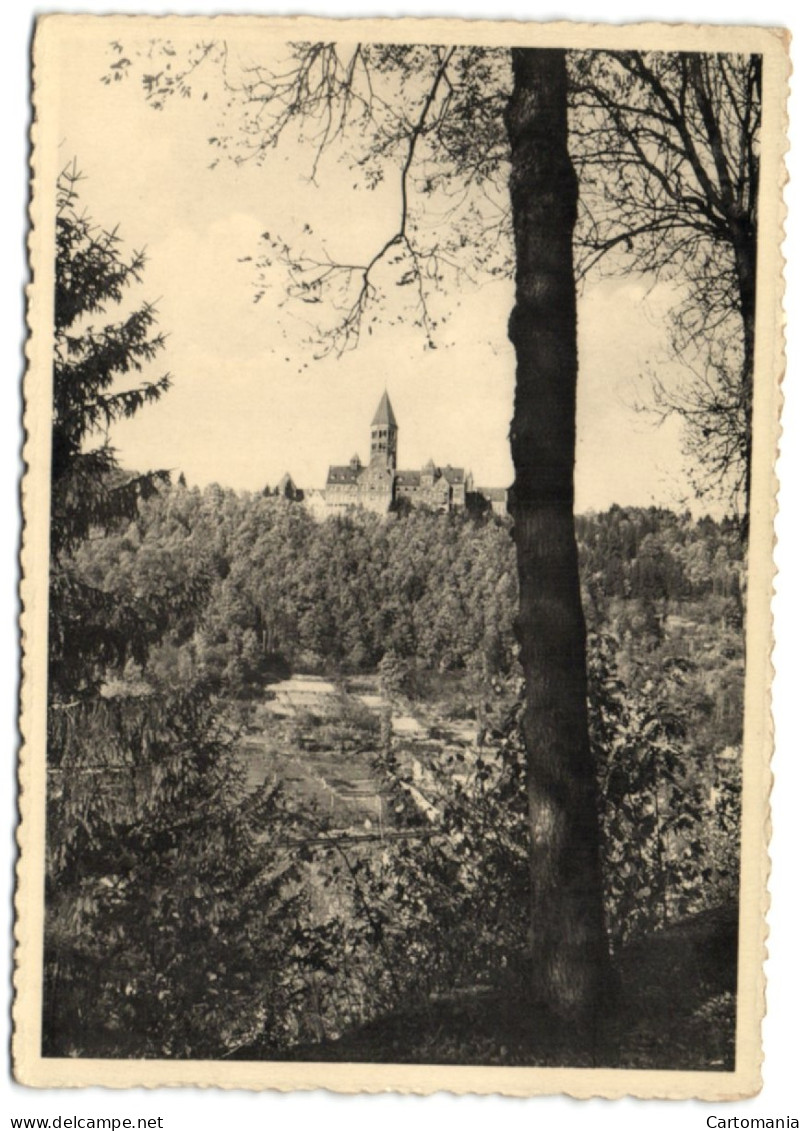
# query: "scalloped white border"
30,1067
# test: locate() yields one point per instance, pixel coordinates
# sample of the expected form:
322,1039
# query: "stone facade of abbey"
381,486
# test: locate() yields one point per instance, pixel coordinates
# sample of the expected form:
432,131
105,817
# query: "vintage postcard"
401,412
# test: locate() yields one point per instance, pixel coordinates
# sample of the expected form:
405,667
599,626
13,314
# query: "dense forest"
376,788
416,788
232,914
232,587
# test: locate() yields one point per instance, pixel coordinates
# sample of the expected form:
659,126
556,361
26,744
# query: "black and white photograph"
401,413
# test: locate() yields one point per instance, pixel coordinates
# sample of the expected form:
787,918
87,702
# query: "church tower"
384,436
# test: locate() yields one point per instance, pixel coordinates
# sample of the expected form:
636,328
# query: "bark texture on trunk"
744,238
738,204
569,947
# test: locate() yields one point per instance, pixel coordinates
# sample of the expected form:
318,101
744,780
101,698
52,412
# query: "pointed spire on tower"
384,435
385,413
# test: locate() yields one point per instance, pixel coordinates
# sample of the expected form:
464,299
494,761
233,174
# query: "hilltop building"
380,486
287,489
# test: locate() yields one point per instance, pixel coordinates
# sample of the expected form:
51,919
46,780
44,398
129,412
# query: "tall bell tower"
384,436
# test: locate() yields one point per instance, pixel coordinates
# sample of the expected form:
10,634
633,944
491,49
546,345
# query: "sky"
249,401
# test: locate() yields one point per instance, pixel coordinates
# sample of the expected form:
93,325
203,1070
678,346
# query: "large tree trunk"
746,259
569,947
744,238
740,217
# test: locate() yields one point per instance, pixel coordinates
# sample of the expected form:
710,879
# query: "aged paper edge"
30,1067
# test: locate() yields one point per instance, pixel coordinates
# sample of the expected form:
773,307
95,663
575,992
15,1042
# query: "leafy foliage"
165,879
168,887
192,915
665,811
434,919
402,103
452,904
250,588
275,587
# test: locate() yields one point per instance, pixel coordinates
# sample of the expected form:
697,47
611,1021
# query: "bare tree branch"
666,149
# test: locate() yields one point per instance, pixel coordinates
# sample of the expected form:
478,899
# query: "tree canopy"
92,274
666,147
163,886
482,136
89,490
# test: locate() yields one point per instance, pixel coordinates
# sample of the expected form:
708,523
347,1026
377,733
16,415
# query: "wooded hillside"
263,927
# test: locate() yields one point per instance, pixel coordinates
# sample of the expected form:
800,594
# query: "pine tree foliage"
89,490
173,908
164,883
93,274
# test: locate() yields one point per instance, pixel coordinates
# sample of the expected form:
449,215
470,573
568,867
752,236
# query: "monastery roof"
451,475
493,494
340,474
408,478
384,414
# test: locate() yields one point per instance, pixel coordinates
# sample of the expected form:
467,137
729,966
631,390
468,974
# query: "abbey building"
381,486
